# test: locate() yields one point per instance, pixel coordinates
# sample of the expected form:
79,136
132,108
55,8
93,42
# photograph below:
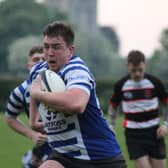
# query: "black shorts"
116,162
141,142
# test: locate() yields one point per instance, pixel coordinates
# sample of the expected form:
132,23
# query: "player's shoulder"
16,96
119,84
122,80
38,66
76,64
152,78
36,69
20,89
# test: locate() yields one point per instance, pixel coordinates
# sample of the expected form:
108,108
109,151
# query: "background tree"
99,55
19,19
18,54
111,35
22,19
157,64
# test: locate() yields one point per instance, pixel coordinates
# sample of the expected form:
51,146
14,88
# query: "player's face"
34,59
56,52
137,72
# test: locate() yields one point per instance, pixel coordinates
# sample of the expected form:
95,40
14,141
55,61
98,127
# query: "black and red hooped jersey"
139,100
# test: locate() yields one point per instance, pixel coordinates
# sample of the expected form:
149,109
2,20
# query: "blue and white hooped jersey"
19,98
84,136
37,68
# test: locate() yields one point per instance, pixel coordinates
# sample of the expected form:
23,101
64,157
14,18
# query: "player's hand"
38,138
35,87
162,131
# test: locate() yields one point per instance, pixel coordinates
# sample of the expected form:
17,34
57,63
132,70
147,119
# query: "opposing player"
76,129
140,93
20,98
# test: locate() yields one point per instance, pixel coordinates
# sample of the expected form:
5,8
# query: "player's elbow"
78,108
9,121
78,102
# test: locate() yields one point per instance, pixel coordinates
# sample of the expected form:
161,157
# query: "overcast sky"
138,23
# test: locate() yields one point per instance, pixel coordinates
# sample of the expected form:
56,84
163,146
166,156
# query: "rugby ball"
51,81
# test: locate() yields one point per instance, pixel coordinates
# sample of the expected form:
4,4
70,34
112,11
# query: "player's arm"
14,106
112,114
162,131
69,102
114,102
34,117
19,127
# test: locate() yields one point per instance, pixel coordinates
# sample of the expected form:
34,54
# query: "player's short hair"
36,49
135,57
64,30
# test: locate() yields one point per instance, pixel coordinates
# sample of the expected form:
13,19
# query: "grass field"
13,146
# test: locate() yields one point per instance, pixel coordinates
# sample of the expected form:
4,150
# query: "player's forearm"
19,127
69,102
38,126
34,117
112,115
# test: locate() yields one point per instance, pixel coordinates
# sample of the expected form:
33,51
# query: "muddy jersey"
85,136
139,100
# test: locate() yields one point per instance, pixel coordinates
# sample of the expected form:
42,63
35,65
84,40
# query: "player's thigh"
134,145
143,162
157,149
51,164
161,163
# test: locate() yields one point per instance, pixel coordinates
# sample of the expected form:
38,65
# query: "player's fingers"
43,136
159,133
40,143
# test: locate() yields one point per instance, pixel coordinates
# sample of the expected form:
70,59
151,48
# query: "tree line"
21,27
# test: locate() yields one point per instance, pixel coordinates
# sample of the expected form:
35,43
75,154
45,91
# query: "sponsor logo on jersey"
128,95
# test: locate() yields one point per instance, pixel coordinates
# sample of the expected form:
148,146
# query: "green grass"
119,130
13,145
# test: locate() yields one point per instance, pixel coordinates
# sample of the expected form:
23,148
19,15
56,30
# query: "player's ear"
71,48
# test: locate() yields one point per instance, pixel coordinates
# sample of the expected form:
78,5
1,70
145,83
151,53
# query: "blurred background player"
140,94
19,99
